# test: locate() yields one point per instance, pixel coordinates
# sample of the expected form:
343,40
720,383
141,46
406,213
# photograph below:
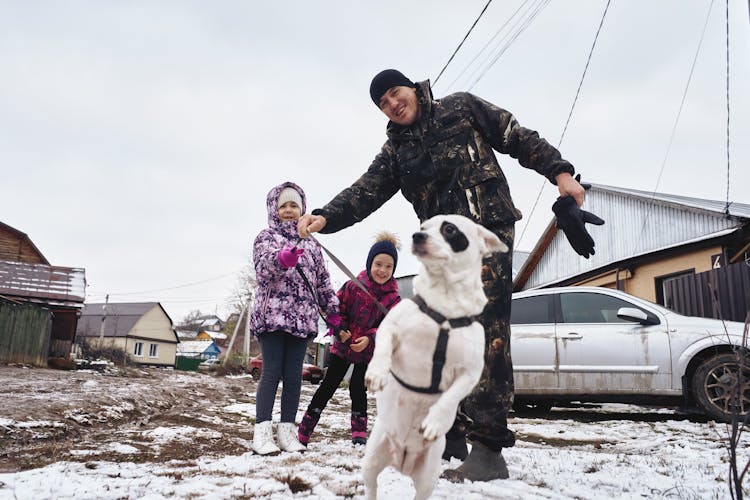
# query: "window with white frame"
138,349
153,350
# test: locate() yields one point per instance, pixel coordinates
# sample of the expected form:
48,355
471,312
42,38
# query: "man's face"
400,105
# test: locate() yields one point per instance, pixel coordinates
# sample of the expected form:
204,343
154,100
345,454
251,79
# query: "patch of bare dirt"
51,415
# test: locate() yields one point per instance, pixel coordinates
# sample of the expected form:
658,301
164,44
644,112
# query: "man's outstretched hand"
308,224
572,220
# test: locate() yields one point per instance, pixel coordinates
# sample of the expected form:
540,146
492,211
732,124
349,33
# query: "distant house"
39,303
184,335
649,242
210,323
203,349
144,330
218,337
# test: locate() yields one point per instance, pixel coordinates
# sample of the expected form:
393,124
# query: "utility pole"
234,335
104,318
247,335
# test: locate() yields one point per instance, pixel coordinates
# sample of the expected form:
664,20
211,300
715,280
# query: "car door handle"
572,336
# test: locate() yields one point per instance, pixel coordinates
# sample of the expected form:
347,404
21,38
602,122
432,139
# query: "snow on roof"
191,347
41,281
215,335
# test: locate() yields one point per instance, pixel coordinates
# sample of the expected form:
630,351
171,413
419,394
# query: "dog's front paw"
436,423
376,379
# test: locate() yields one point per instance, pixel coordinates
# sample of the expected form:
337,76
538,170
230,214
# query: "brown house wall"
640,280
16,248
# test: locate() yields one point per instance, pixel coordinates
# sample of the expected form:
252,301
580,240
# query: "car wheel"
716,386
255,373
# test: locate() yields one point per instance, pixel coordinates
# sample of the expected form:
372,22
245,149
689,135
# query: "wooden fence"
24,333
691,295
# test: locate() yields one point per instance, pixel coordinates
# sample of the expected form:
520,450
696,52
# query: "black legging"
337,368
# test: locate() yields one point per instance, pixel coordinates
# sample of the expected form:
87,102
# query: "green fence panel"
187,364
24,333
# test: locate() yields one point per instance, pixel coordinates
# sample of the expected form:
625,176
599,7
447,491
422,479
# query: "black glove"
571,219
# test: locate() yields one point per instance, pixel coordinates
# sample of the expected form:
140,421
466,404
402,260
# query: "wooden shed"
39,303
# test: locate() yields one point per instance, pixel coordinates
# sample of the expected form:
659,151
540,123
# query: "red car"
311,373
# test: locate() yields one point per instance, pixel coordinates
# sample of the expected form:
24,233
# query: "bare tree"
192,320
242,294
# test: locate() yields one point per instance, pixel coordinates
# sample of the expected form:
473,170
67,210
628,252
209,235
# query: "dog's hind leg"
427,469
377,457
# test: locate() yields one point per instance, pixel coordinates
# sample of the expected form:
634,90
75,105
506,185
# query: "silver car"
598,344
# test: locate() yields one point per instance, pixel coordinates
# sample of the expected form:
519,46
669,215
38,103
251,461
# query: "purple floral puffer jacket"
361,316
282,299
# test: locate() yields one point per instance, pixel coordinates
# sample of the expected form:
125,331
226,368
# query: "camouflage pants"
484,412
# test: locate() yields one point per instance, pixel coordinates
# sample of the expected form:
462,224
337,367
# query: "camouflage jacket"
444,164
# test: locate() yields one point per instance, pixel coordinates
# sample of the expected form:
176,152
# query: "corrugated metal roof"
53,284
195,347
121,317
637,223
734,209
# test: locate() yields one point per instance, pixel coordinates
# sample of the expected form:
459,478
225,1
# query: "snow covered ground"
161,434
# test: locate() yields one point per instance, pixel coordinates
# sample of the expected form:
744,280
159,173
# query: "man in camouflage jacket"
439,154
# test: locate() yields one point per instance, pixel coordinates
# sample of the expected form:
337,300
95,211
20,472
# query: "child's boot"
288,437
263,439
307,426
359,428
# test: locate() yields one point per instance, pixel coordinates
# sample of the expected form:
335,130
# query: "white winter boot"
288,437
263,439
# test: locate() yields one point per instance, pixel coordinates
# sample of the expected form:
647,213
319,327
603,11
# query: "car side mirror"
635,315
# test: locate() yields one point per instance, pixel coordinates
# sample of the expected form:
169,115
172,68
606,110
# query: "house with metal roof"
203,349
39,303
648,240
143,330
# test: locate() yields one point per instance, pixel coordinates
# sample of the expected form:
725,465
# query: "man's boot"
359,428
455,444
307,426
482,464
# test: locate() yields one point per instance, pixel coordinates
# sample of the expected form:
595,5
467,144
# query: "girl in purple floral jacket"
360,318
285,313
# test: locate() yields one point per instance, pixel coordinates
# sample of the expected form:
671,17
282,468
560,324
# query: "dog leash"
350,274
438,358
336,329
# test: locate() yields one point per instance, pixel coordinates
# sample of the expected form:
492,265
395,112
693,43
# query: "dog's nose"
419,237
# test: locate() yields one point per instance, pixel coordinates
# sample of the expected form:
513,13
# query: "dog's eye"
449,229
454,237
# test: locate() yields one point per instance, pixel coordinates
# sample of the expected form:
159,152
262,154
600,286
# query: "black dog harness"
438,359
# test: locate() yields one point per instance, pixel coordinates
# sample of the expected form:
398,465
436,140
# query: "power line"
583,76
570,114
462,41
194,283
481,51
513,36
726,209
676,122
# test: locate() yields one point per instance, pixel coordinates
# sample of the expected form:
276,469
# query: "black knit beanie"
384,80
383,246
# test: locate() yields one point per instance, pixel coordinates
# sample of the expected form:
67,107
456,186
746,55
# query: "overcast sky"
138,139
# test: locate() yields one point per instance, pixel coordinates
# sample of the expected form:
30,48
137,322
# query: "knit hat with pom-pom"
386,243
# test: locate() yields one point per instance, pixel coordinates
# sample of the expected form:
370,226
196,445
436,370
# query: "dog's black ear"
489,242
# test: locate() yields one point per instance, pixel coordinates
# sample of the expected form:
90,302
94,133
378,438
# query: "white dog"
429,353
